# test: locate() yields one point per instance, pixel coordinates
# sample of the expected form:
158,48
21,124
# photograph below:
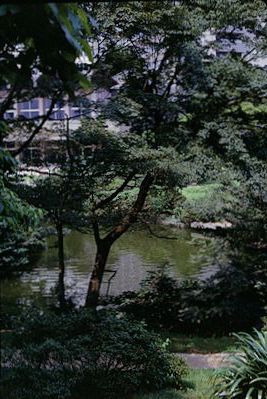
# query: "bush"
79,354
157,302
247,377
233,299
18,249
18,232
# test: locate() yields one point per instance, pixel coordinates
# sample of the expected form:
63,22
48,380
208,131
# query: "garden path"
207,361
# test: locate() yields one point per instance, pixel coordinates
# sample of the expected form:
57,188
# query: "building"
64,116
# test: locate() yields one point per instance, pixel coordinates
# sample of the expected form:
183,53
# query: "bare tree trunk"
104,245
103,248
61,263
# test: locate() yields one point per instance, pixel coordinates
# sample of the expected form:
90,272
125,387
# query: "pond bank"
196,225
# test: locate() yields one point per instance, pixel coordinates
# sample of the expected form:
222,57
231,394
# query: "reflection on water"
131,257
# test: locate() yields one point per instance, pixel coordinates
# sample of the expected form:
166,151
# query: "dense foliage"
180,110
247,376
172,89
79,354
19,238
31,36
187,108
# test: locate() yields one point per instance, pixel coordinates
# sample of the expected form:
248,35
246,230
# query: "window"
9,114
58,111
75,112
29,109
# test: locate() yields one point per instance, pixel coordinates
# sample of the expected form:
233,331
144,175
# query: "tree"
229,114
149,60
18,238
31,36
168,94
178,108
118,172
60,193
31,63
39,47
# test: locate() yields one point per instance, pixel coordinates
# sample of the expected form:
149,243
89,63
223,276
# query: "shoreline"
173,222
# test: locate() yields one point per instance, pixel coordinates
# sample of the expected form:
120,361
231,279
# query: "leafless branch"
37,128
132,216
112,196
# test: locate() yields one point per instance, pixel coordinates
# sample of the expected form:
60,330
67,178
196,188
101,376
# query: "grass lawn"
199,192
195,344
202,379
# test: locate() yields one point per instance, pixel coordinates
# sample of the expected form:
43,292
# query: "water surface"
132,257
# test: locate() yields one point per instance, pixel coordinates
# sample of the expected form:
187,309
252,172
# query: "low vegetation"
20,239
72,354
201,387
247,376
233,299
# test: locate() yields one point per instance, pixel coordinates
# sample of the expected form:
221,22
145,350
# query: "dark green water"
132,256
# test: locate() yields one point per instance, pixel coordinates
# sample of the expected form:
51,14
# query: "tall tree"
170,92
146,55
119,172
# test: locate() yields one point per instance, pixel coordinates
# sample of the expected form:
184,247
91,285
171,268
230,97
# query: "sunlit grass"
202,387
203,380
198,192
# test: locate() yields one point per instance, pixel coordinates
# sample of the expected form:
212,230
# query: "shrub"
247,377
233,299
18,232
18,249
79,354
158,301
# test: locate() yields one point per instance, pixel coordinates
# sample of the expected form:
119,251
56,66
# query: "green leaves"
18,221
49,38
230,300
68,354
7,162
247,376
73,20
251,109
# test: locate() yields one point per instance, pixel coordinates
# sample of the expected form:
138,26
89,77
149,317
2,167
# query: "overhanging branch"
132,216
37,128
111,197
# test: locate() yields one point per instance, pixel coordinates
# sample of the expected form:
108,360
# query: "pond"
136,253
